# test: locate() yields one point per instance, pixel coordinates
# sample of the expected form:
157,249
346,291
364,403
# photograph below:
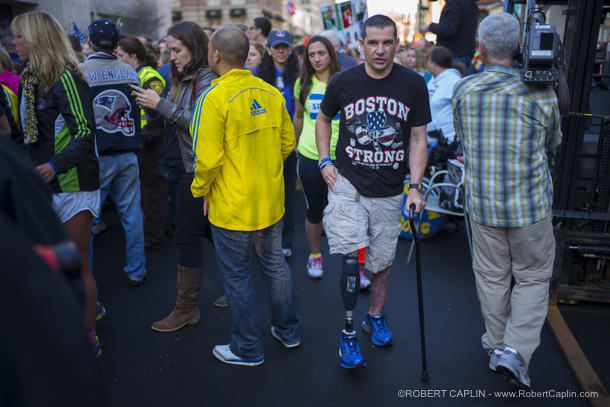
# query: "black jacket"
457,27
66,134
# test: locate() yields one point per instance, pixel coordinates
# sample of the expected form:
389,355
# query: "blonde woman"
255,55
58,131
416,61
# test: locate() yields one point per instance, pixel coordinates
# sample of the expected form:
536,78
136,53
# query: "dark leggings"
290,184
190,224
314,188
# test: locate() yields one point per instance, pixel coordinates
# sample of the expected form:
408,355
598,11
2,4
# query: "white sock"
513,350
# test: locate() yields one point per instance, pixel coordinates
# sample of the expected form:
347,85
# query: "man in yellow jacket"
242,134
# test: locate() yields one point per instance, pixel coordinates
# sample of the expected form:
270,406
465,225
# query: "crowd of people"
224,121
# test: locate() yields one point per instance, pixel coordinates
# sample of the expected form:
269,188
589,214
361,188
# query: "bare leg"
79,231
379,289
313,233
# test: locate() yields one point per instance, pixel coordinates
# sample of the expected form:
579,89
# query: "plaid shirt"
505,126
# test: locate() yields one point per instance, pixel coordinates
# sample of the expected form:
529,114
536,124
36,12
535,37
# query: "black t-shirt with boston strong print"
375,128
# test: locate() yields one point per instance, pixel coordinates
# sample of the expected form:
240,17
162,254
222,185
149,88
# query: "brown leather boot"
186,311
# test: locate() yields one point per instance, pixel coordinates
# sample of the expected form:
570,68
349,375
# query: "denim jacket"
181,114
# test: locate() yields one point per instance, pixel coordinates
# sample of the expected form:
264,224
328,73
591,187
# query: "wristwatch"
419,187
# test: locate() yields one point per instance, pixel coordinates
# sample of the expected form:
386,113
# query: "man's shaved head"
233,45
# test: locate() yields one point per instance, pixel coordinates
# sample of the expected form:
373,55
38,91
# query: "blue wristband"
54,167
325,163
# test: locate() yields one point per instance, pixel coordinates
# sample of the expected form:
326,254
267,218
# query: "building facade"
151,17
216,13
301,17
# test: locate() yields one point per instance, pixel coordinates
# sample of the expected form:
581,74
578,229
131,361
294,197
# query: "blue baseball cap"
279,37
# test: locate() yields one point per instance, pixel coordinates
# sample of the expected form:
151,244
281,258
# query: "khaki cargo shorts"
352,222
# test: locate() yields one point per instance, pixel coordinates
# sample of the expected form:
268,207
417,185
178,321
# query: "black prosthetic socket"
350,286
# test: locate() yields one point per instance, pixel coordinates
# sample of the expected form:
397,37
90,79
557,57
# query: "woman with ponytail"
154,186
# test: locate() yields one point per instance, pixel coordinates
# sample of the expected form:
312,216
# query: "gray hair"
333,37
499,33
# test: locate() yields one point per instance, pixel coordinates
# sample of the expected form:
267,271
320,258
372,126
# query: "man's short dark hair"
379,21
441,56
75,43
107,47
233,45
264,24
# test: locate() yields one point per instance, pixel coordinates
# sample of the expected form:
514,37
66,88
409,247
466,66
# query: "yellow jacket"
11,99
242,134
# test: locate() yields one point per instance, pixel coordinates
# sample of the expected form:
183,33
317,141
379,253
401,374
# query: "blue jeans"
120,182
466,61
233,250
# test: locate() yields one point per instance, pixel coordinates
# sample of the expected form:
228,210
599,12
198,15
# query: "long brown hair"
132,45
193,38
47,42
307,70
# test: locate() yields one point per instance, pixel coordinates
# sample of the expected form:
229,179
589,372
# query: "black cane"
420,297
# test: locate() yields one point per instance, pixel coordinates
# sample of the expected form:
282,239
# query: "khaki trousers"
513,317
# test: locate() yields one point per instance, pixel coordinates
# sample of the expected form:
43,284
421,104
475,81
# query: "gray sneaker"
511,365
287,344
494,357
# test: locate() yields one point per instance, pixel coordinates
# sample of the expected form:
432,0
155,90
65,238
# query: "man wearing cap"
260,30
242,134
117,118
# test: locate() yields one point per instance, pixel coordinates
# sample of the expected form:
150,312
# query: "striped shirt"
505,126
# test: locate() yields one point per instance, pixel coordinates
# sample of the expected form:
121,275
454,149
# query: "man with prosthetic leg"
381,121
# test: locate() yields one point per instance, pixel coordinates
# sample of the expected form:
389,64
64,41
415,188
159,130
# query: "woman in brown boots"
190,77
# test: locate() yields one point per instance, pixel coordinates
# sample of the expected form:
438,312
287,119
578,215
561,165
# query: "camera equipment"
542,50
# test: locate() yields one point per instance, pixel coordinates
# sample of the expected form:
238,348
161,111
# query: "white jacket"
440,90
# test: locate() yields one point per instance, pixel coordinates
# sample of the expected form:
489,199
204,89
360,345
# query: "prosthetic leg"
350,286
349,349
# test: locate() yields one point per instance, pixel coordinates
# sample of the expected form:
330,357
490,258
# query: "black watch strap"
414,185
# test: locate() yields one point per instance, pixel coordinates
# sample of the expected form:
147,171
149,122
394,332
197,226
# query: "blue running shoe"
376,326
101,311
97,347
349,350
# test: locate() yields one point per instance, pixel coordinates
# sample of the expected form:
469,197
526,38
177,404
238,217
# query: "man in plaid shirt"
506,127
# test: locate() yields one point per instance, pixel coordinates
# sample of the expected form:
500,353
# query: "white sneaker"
511,364
287,252
224,354
494,357
364,281
314,268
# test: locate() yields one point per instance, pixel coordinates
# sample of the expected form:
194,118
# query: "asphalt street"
142,367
